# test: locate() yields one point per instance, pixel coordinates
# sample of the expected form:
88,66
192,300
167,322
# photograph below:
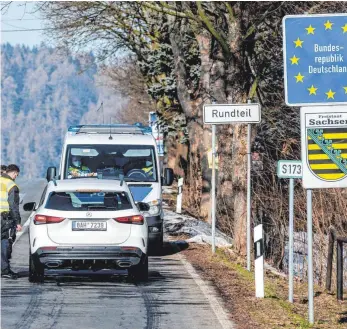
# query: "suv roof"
87,184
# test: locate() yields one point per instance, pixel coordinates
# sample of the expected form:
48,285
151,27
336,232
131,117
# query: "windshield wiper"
133,180
147,180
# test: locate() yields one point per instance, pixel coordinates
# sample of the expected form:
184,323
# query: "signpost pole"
249,197
213,195
310,258
291,239
290,169
228,114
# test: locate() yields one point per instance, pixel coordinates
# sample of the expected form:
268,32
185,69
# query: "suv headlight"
154,207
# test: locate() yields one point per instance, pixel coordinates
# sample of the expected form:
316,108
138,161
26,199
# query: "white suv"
87,224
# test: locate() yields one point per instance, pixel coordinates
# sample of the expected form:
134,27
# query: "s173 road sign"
289,169
324,146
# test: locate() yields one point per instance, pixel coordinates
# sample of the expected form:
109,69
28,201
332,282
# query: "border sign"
231,113
289,169
324,146
315,59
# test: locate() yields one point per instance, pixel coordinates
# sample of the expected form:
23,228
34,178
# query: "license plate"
89,226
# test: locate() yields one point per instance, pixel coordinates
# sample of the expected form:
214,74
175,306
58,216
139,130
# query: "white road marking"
210,294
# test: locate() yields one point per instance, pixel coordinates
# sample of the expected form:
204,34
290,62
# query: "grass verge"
236,285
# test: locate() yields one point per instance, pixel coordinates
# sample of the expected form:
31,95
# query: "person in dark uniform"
10,217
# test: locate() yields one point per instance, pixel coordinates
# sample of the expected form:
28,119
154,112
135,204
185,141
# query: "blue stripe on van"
139,192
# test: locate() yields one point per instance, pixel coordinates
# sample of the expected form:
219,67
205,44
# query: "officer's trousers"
5,255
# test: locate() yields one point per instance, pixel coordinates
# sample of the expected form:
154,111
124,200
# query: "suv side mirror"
143,206
30,206
51,173
168,177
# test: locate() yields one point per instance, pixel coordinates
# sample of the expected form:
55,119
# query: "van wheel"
155,248
139,272
36,271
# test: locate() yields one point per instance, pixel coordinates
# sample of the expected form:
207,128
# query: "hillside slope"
44,92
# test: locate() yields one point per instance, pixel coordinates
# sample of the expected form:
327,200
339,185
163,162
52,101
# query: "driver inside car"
148,168
76,169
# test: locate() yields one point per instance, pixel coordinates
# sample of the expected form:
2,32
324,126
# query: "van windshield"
137,163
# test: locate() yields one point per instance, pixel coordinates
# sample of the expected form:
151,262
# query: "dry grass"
236,285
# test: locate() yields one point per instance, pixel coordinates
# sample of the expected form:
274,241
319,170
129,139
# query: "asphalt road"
174,296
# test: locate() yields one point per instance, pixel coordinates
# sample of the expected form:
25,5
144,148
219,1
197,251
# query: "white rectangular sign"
324,146
231,113
157,132
289,169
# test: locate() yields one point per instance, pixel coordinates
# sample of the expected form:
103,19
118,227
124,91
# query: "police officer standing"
10,217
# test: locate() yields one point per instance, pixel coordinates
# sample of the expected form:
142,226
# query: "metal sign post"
228,114
249,201
290,169
310,257
213,196
291,241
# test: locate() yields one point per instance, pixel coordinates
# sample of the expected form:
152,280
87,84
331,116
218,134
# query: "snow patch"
200,232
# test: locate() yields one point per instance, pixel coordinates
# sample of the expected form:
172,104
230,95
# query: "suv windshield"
134,162
84,201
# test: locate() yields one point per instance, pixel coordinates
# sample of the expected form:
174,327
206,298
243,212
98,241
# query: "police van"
126,152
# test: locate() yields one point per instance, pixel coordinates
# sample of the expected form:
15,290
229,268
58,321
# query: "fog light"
154,229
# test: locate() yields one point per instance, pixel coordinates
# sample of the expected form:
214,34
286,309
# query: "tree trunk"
198,179
232,196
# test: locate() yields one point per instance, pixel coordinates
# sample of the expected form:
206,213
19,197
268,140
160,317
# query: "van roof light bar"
137,128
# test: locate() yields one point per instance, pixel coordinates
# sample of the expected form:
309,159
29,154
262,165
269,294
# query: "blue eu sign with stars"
315,59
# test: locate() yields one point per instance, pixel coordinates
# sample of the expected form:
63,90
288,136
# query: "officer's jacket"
9,198
79,171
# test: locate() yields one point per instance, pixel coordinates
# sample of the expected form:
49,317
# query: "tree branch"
212,30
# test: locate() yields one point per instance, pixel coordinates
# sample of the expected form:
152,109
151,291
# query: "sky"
21,16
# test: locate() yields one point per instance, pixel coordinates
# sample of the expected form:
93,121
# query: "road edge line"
210,293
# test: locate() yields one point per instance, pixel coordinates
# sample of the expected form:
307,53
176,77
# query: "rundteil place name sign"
231,113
